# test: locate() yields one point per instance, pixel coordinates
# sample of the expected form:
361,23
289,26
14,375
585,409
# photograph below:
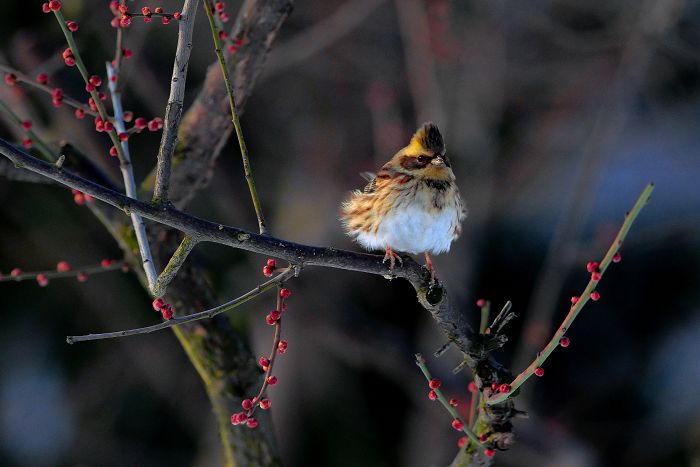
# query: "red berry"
272,317
128,116
27,143
123,9
238,418
79,113
617,257
95,81
105,263
113,151
271,263
494,387
483,437
272,380
247,404
504,388
165,20
432,395
42,78
42,280
285,293
264,362
481,303
472,387
252,422
158,10
102,96
595,296
72,26
592,266
153,125
127,53
453,402
574,300
123,136
489,452
146,11
177,15
63,266
140,123
539,371
434,383
595,276
457,424
220,6
125,21
57,93
158,303
265,404
91,103
45,8
16,272
26,124
167,312
89,87
69,61
54,5
223,17
282,347
79,199
267,271
115,22
10,79
461,442
82,277
564,341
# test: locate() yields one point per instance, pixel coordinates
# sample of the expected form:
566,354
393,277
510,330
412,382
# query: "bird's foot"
429,265
391,257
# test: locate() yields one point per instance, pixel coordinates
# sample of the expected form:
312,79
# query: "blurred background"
556,113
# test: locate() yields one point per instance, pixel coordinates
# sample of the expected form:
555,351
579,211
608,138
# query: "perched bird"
412,205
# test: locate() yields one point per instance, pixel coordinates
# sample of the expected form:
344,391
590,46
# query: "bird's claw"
391,257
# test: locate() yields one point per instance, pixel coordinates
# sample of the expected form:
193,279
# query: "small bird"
412,205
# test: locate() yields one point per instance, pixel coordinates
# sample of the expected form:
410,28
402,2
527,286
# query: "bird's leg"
429,265
392,257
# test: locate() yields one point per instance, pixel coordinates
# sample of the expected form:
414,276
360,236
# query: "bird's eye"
423,158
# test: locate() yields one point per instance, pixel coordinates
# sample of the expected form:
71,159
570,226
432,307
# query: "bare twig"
41,146
578,306
176,261
247,170
173,112
284,275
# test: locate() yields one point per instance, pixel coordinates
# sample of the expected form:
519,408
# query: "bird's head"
425,155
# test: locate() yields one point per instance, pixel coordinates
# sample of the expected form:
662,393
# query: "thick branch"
432,297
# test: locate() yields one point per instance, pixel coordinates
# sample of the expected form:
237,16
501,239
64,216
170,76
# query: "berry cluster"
273,318
123,17
165,309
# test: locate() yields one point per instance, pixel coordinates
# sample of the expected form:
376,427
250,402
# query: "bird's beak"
438,162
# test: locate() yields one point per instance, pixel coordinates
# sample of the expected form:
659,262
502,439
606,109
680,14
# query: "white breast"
412,229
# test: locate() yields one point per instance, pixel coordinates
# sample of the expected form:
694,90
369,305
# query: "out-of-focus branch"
173,112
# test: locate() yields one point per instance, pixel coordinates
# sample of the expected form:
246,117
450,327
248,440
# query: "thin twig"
420,361
22,78
283,276
130,183
485,312
173,112
53,274
582,300
176,261
43,148
247,170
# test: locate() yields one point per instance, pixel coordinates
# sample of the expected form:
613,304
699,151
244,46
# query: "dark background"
556,113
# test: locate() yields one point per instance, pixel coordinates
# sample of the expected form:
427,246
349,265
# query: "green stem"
53,274
420,361
174,264
42,147
234,118
578,306
123,160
